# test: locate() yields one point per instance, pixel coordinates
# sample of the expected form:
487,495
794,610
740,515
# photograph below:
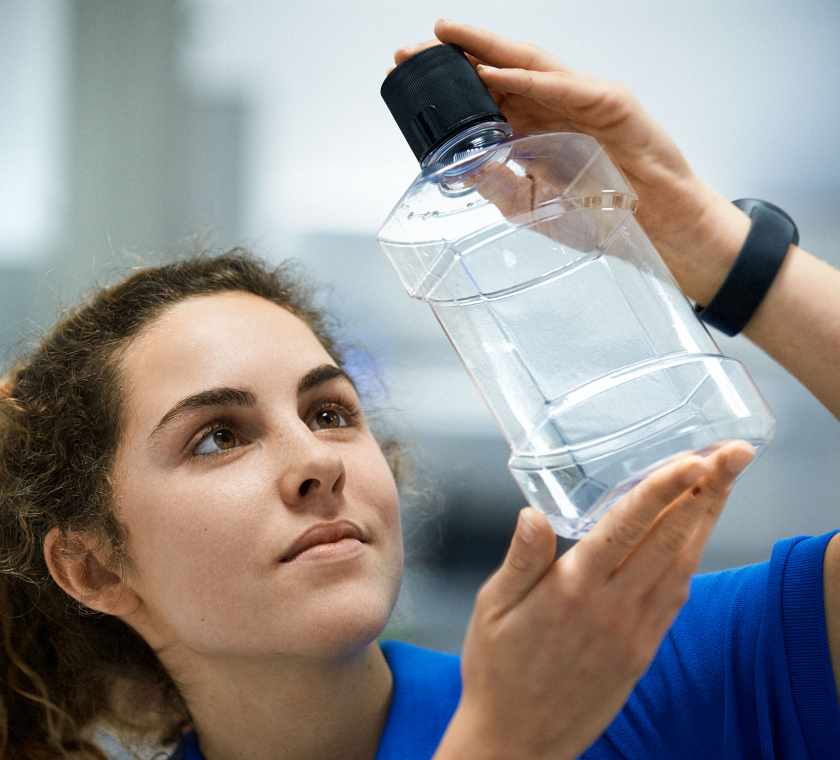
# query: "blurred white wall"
748,90
32,119
126,126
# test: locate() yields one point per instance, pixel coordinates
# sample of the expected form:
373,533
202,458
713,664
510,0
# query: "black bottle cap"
434,95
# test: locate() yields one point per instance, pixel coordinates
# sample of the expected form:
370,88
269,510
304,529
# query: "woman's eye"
216,441
222,438
332,417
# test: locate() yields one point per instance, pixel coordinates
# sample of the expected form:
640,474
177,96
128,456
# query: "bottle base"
576,483
544,489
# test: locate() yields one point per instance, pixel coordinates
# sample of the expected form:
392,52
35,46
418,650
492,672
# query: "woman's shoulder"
744,671
427,689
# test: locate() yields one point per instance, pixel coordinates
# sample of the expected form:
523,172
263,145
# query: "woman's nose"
313,472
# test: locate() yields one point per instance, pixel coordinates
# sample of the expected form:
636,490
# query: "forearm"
798,322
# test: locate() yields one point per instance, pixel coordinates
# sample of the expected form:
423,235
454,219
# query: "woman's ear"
78,564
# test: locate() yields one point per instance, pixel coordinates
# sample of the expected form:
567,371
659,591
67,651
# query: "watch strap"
771,233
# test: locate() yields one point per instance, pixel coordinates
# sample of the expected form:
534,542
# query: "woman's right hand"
554,647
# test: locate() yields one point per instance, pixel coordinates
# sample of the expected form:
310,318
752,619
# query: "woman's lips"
323,534
342,549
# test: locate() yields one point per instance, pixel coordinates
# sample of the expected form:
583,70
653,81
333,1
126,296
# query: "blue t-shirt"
744,673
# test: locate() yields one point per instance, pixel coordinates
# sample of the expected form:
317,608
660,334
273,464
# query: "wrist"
464,738
711,246
467,737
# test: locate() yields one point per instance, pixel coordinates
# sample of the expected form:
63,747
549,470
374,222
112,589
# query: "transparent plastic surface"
571,326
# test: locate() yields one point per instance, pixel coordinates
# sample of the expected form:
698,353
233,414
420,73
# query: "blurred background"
131,129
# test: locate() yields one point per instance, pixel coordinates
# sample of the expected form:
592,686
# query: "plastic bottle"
570,324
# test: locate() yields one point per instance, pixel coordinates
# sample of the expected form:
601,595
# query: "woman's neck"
329,709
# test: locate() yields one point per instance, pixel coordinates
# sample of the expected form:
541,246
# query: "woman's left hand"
695,229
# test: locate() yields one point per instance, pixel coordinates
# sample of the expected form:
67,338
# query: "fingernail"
737,461
527,529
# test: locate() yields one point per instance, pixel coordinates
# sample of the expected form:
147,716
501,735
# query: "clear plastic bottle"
570,324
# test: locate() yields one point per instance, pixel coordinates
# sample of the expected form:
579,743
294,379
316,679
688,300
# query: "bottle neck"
470,140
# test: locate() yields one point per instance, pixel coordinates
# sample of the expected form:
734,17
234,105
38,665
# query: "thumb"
529,557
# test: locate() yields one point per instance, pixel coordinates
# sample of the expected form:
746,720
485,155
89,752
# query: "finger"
513,195
670,536
409,51
573,91
531,554
665,599
543,182
625,526
736,459
472,59
510,193
494,49
605,110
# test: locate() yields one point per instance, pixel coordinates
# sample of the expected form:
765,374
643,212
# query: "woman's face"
214,493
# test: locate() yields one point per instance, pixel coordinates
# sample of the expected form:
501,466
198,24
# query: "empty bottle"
570,324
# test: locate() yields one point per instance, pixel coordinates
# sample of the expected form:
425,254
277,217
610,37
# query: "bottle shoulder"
513,179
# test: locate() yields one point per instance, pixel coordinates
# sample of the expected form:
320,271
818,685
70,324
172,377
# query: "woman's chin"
347,627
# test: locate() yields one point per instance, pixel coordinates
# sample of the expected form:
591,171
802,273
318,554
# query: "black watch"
771,234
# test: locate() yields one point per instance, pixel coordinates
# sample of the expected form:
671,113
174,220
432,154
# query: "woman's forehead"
217,340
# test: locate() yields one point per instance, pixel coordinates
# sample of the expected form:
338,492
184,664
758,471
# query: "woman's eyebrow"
210,397
322,374
227,396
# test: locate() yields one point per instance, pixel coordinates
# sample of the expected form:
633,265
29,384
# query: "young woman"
200,528
201,537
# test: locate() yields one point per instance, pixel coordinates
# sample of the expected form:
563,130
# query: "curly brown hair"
70,670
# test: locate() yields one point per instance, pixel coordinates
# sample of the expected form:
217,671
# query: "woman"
166,455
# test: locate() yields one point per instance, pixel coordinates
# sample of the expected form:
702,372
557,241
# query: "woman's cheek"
384,487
